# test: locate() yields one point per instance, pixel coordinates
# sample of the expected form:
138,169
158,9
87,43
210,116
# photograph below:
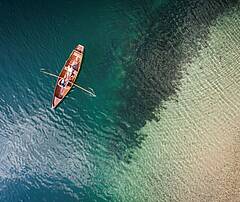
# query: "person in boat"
74,66
63,83
69,72
75,63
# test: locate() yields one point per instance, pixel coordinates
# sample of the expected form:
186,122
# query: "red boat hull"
60,92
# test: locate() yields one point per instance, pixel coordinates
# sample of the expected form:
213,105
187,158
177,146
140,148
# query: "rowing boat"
74,61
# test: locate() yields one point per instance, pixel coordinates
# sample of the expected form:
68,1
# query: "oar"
90,91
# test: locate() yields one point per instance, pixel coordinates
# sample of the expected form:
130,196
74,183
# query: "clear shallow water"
162,73
192,152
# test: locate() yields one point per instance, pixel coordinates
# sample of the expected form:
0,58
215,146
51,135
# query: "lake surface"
165,125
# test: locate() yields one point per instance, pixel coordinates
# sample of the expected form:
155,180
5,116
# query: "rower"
63,83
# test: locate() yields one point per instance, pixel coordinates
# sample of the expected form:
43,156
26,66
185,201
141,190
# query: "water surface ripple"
164,125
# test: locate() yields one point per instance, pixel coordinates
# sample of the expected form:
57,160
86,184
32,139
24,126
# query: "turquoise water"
149,63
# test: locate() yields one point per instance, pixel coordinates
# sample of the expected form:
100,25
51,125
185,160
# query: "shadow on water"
172,35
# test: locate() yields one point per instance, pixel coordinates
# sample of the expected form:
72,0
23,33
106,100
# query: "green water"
165,123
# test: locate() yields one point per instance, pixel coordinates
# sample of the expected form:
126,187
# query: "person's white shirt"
69,71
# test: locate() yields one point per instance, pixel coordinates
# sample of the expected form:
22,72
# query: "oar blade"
93,94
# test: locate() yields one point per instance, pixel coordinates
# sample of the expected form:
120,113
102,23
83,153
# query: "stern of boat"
55,102
79,48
